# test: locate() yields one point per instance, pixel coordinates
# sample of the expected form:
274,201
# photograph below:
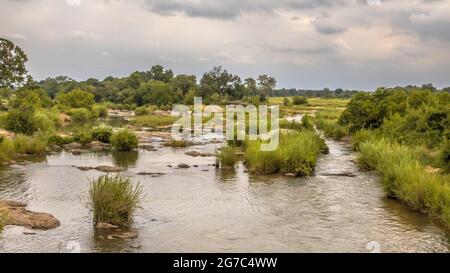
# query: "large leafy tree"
218,80
12,64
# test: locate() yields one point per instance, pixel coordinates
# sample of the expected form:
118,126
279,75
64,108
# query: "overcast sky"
354,44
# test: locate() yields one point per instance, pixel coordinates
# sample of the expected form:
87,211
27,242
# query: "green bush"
100,111
299,100
445,155
227,156
124,140
80,115
21,121
46,120
297,153
83,136
142,111
114,199
102,134
6,150
59,140
76,99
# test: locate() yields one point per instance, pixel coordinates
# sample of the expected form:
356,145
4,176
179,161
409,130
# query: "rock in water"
106,226
183,166
109,169
193,153
18,215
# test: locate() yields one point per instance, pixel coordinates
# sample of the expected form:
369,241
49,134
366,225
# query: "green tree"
76,99
12,64
184,83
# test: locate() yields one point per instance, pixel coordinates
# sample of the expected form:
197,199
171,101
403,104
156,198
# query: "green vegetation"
331,128
227,156
297,154
299,100
114,199
124,140
405,178
80,115
178,143
153,121
102,134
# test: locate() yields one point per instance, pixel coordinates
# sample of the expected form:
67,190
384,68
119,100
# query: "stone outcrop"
17,215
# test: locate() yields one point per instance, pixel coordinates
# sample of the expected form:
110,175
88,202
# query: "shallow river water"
206,209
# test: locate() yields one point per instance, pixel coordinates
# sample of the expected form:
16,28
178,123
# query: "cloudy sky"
355,44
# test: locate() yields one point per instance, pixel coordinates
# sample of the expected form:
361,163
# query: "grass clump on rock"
114,199
124,140
102,134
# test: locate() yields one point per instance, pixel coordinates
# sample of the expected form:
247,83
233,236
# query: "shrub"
60,140
80,114
227,156
21,121
299,100
124,140
114,199
83,136
141,111
76,99
286,101
297,153
445,155
46,120
102,134
100,111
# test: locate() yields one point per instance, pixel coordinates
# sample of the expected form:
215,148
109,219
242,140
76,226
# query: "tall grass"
26,145
297,154
227,156
331,128
405,178
114,199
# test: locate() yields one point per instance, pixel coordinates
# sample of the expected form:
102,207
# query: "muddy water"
209,210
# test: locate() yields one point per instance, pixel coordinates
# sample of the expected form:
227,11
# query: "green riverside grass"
405,178
331,128
124,140
114,199
297,154
227,156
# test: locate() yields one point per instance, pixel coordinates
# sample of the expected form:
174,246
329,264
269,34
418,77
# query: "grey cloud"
329,29
229,9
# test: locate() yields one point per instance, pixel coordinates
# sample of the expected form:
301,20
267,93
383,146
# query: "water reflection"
125,159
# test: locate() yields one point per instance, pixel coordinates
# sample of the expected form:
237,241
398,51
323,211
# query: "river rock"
18,215
106,226
153,174
76,152
98,146
344,174
206,155
73,146
125,235
183,166
81,168
109,169
290,175
193,153
148,147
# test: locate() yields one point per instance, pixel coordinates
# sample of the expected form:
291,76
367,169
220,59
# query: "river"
205,209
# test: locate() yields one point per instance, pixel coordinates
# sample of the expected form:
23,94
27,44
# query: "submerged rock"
344,174
183,166
73,146
153,174
106,226
76,152
290,175
18,215
193,153
109,169
98,146
125,235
